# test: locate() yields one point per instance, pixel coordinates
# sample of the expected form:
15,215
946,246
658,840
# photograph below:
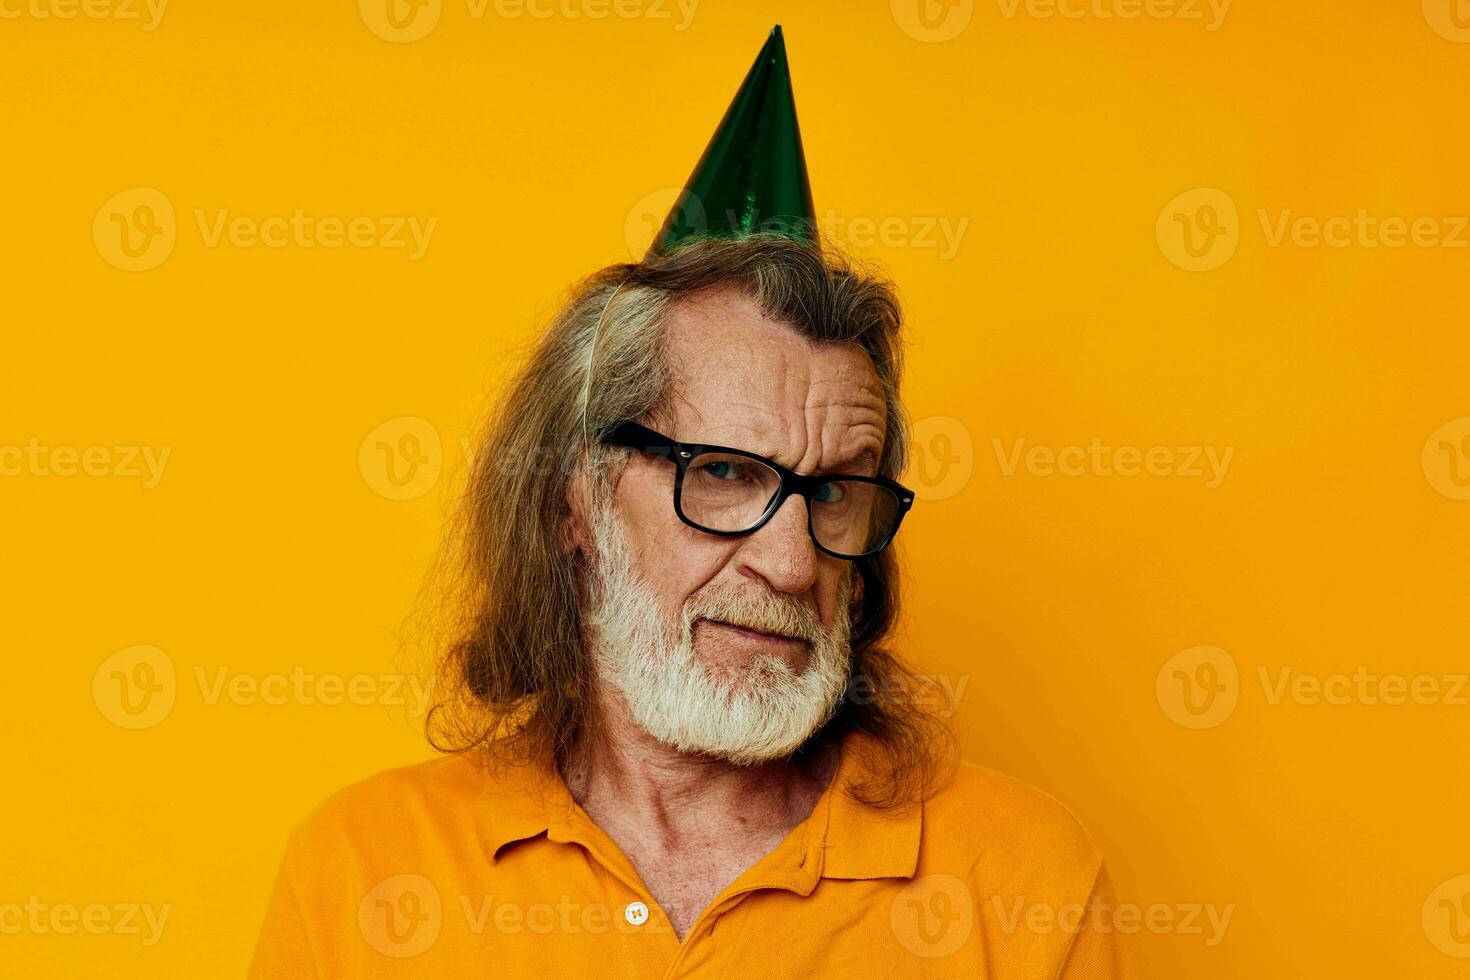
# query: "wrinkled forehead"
746,380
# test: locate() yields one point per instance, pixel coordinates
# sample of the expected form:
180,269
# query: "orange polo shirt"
439,870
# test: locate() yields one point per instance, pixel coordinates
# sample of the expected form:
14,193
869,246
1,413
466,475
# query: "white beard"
758,711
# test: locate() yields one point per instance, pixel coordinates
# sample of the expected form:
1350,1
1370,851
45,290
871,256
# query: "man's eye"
722,470
828,493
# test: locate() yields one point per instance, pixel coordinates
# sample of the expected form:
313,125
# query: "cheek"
671,558
829,591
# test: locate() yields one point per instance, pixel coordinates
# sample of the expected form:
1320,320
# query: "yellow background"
543,147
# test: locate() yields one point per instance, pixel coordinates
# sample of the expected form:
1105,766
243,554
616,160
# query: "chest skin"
685,881
688,850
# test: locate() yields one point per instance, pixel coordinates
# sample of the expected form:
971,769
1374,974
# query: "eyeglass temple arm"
635,436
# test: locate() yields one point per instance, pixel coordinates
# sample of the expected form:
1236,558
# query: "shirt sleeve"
283,950
1098,951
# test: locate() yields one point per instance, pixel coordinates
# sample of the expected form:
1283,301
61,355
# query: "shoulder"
397,793
390,818
1007,832
411,834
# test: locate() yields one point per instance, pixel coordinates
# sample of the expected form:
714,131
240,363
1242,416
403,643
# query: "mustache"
769,613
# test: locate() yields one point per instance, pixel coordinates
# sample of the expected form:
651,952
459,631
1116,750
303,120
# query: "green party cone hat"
752,176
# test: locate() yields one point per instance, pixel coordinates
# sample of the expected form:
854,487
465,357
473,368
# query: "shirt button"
636,913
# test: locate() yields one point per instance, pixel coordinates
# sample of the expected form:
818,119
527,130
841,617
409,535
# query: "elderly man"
680,745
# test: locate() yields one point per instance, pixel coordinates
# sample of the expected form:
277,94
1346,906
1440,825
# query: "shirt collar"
842,838
862,841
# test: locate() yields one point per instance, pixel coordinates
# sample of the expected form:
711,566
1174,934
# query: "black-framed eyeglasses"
728,492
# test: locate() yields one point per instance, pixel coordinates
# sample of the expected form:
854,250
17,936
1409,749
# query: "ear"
572,536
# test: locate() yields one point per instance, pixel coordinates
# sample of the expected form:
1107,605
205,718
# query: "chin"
748,719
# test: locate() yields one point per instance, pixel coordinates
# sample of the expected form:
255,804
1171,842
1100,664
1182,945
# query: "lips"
755,633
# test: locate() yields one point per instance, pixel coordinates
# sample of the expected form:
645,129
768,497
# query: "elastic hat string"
592,360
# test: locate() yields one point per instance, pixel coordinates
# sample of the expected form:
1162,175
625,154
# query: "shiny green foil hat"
752,176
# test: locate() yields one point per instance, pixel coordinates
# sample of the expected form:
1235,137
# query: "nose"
781,552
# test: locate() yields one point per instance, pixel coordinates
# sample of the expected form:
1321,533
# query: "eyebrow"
868,455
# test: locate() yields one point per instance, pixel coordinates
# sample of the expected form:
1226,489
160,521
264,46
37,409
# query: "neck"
623,774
